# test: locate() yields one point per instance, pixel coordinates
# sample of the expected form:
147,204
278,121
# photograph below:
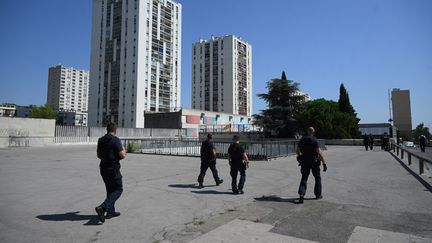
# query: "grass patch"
200,222
195,222
257,220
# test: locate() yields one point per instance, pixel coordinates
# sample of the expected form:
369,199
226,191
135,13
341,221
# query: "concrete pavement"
49,194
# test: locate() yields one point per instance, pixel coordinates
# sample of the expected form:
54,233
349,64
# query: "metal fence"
256,150
75,134
422,160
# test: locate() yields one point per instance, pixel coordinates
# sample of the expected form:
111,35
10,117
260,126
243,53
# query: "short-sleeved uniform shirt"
107,149
236,152
207,147
308,146
422,140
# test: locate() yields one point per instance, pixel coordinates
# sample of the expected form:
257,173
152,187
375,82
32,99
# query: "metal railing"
402,151
256,150
75,134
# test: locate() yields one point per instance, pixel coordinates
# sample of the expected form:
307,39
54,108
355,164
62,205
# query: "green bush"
133,147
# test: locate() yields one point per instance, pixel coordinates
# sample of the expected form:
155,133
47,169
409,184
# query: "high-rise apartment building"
68,89
135,60
222,75
401,104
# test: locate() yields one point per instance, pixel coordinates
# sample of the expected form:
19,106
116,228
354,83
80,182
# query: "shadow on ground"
274,198
188,185
71,216
416,176
211,192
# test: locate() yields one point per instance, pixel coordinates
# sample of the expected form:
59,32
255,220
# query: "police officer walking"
371,141
208,159
310,157
238,161
366,141
422,141
110,151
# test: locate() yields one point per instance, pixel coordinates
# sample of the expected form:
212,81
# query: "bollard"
421,166
409,159
402,153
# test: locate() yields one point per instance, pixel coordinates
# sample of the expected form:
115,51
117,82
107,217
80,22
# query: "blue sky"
371,46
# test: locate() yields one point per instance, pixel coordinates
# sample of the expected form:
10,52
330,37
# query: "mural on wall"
193,119
222,123
191,132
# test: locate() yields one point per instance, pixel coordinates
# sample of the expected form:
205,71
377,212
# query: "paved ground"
49,194
426,154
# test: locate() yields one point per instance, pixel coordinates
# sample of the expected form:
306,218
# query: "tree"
43,112
283,76
285,104
346,107
421,130
344,101
327,119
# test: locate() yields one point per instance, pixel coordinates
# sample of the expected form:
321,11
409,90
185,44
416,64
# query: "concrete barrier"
26,132
348,142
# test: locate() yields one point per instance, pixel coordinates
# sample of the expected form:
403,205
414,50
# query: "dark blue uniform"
208,160
236,152
308,146
422,143
107,149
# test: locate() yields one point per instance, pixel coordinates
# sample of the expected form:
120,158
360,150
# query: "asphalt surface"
49,194
427,153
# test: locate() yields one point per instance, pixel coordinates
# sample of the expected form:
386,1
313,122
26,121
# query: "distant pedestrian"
110,151
386,141
382,142
366,141
422,140
310,158
371,141
208,160
239,162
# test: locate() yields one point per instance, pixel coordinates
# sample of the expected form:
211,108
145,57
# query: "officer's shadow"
188,185
210,192
274,198
71,216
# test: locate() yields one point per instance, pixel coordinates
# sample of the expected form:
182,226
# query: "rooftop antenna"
390,109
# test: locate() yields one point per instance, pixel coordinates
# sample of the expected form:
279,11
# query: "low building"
23,112
7,110
195,121
377,129
72,118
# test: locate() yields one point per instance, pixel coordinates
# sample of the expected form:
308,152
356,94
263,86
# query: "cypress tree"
283,76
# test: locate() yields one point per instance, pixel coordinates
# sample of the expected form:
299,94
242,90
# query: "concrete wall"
26,132
358,142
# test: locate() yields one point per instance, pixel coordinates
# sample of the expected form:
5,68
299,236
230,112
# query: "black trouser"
305,171
114,187
366,146
235,169
371,146
204,166
423,147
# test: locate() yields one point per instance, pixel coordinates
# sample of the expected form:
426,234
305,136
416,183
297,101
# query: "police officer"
422,141
371,141
110,151
208,159
386,141
238,161
310,157
366,141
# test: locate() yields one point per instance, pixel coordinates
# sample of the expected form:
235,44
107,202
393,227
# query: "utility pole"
390,109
